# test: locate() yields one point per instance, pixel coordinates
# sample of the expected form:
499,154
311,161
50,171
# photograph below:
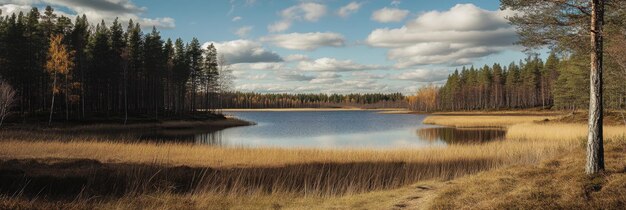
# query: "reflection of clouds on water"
327,130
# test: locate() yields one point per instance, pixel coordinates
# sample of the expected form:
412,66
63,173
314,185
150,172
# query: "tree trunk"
54,83
595,150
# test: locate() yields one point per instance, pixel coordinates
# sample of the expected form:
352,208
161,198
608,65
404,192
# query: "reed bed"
496,121
123,170
139,168
557,131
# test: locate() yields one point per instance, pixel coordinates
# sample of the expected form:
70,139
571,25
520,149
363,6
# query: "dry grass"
558,183
558,131
206,156
241,178
468,121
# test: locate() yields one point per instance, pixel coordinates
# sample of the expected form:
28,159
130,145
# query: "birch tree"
59,63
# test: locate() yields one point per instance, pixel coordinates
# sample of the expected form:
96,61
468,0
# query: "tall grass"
137,169
555,132
271,170
483,120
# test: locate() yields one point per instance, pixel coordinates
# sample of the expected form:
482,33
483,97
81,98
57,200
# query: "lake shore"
159,174
311,110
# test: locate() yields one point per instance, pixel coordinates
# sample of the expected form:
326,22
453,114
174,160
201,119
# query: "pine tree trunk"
595,150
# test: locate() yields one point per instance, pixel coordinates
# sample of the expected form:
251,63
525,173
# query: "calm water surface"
338,129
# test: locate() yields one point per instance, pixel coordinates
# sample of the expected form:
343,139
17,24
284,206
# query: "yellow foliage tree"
425,99
60,62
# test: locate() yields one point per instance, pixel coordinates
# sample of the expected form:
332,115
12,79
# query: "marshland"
135,104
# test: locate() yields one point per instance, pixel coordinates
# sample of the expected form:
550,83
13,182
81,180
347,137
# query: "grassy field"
172,176
556,183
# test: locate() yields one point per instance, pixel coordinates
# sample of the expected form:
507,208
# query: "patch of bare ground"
581,117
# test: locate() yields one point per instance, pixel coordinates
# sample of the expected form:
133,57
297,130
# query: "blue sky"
330,46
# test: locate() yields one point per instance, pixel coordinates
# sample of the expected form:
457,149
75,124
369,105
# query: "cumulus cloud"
245,51
243,31
296,57
367,75
305,11
305,41
236,18
9,9
294,76
349,9
456,37
106,10
423,75
258,66
387,15
327,78
332,64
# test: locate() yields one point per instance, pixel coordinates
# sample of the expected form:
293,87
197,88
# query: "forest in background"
557,83
104,71
78,70
562,82
321,100
118,71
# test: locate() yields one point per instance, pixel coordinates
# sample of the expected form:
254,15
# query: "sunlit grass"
556,183
483,120
558,131
246,178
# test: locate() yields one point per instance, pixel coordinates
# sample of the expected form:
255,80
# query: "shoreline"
227,122
314,110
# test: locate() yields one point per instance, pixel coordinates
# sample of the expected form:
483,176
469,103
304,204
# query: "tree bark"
595,150
54,83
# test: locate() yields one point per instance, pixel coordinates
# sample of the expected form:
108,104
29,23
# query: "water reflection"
460,135
329,130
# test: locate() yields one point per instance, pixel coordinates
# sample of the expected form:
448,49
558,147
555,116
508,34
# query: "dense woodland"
78,70
556,83
257,100
81,70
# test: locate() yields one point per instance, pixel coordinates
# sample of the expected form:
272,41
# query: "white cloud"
332,64
387,15
9,9
244,51
243,31
279,26
349,9
106,10
367,75
296,57
325,81
457,36
294,76
237,18
305,41
305,11
269,88
395,3
423,75
258,66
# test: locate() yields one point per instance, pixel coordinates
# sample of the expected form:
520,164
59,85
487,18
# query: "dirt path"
420,197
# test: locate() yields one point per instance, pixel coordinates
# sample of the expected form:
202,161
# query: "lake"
336,129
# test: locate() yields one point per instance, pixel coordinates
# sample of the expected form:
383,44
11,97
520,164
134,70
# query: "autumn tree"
59,63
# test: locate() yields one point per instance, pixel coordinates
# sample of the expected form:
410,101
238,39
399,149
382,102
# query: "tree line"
561,82
284,100
79,70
